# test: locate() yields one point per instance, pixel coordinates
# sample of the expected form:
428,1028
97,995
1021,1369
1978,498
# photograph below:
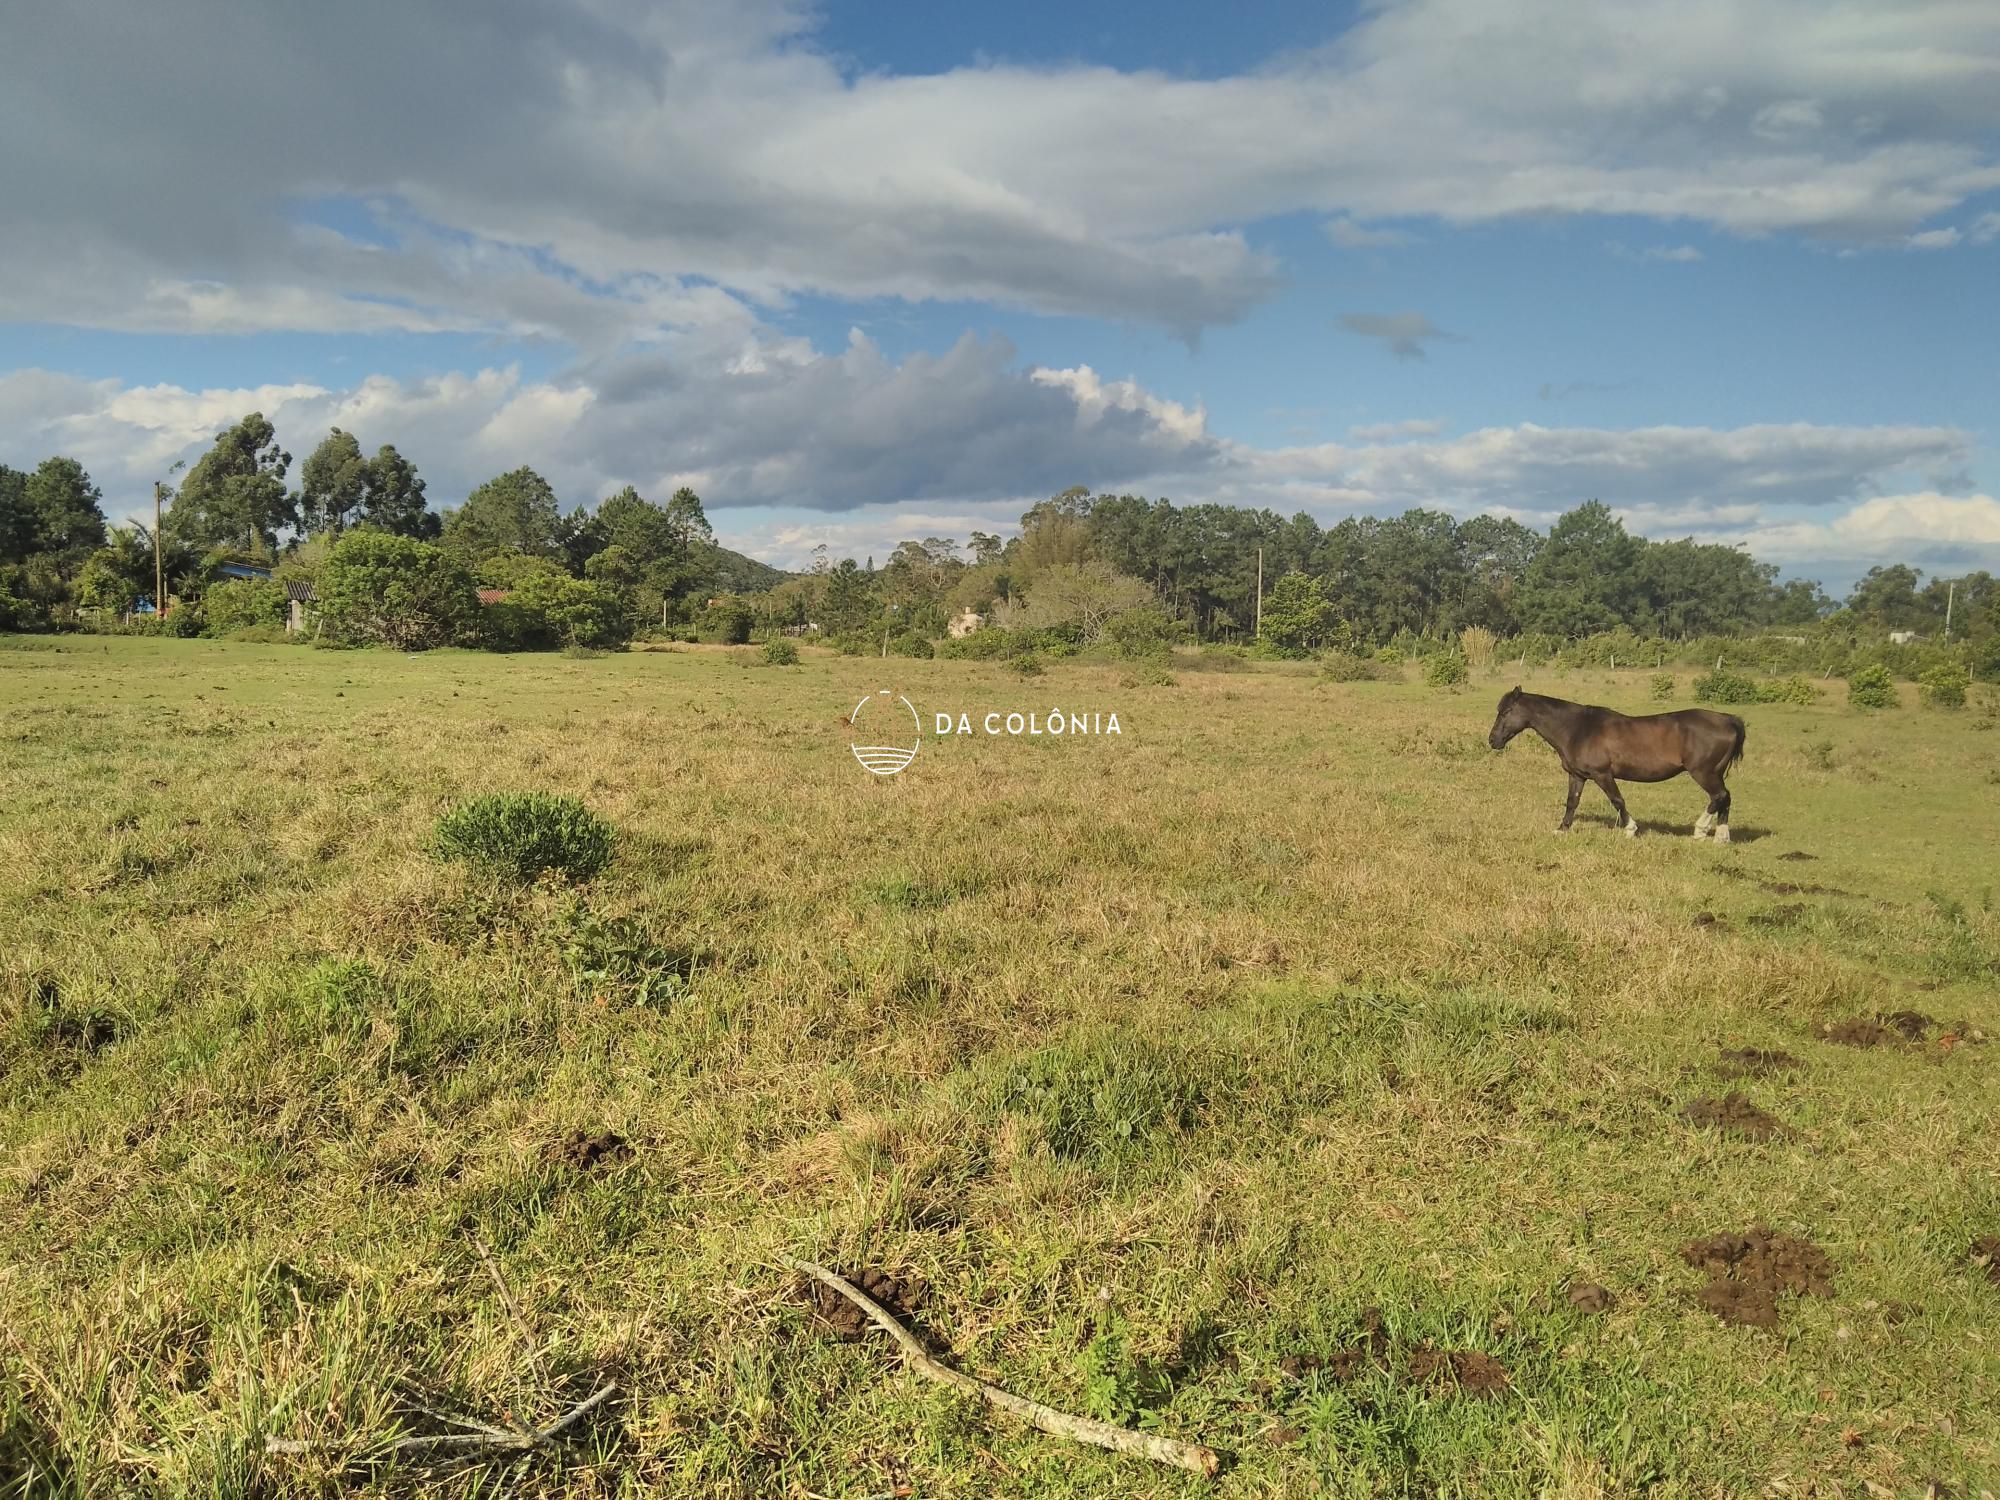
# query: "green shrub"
1793,689
1389,656
780,653
727,622
1983,658
1344,666
1663,687
522,834
1445,669
1027,665
378,589
1725,686
1944,685
239,603
1145,632
1872,687
185,620
909,643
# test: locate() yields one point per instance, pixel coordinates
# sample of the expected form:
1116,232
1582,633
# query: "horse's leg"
1610,789
1718,800
1569,808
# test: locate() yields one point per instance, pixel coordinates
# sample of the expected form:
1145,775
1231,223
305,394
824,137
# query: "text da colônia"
1054,722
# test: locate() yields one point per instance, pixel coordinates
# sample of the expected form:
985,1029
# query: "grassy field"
1242,1077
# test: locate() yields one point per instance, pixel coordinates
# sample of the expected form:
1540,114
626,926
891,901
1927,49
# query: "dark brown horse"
1601,745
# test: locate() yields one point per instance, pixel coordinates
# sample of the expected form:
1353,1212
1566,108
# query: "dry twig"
491,1439
1201,1460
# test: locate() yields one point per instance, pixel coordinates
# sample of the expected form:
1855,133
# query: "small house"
300,596
964,623
1901,637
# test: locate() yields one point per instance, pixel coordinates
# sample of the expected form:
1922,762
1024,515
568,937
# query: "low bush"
1027,665
1344,666
1663,687
1944,685
523,834
240,603
1725,686
1872,687
780,653
1445,669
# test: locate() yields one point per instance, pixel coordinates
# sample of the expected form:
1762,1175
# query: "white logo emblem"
885,723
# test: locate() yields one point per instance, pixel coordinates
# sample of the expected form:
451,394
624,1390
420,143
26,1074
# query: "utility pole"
1950,594
1260,593
159,566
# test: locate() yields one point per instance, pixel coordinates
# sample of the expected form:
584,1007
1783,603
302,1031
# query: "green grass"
1158,1059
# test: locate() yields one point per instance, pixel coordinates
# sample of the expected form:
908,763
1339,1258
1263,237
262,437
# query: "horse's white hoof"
1722,834
1632,829
1701,833
1562,828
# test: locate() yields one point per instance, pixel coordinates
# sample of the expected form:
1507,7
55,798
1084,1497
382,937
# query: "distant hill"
732,572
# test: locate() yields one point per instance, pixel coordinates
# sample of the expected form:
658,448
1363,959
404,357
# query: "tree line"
1082,560
649,560
1079,562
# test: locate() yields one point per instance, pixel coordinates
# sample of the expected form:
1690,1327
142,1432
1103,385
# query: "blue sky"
872,271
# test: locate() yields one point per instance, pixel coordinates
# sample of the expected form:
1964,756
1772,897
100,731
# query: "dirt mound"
1748,1271
1707,919
834,1314
1368,1350
1466,1370
585,1150
1797,855
1857,1031
1754,1062
1589,1297
1985,1254
1733,1114
1913,1024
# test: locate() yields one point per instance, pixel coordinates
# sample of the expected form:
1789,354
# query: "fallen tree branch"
487,1438
1193,1456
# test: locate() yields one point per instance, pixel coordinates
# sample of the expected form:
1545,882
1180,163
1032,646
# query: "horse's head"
1510,721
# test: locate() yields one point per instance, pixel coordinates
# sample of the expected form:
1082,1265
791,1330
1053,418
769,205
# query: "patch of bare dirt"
1797,855
587,1150
1857,1031
1369,1349
1733,1114
1708,919
1467,1371
1748,1272
1913,1024
1589,1297
1985,1254
1754,1062
833,1313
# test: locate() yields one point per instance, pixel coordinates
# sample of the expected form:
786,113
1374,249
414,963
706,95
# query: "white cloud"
1986,229
604,171
1348,235
862,451
1952,531
1388,432
1933,239
1680,253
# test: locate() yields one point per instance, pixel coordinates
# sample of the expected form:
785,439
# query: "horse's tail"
1736,750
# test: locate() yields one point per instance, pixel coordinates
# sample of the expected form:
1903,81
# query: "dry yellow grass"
1281,1004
